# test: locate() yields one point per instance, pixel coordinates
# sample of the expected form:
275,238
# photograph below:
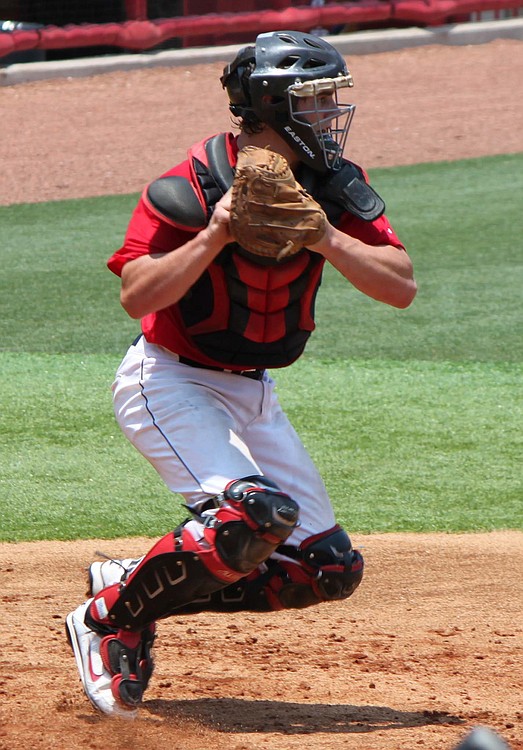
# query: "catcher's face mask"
320,118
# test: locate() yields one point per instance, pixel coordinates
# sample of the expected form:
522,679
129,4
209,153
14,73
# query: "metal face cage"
329,121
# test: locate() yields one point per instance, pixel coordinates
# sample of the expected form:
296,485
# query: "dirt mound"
429,646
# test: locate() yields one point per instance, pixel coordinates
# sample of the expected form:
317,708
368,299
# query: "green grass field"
414,417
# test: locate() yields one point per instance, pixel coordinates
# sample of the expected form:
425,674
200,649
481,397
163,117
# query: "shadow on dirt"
236,715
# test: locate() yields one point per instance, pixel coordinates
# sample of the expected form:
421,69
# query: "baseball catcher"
221,262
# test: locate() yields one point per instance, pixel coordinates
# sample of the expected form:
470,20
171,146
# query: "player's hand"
324,243
219,225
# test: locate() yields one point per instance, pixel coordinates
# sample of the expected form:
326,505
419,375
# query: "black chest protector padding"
174,198
219,164
217,176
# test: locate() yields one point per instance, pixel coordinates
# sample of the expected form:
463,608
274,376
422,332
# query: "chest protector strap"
218,161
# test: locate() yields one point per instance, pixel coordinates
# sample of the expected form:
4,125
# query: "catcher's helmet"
268,78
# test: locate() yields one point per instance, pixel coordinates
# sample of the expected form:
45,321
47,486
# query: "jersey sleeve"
377,232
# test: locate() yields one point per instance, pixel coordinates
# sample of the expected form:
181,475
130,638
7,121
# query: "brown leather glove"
271,214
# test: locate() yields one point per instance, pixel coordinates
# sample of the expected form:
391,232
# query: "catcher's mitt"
271,214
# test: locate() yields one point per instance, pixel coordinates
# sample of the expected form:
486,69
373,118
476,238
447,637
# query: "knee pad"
327,568
256,519
250,520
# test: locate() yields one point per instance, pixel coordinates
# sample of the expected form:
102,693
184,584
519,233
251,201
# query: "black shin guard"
251,520
324,568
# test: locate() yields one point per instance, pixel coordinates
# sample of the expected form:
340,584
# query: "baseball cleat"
114,669
109,572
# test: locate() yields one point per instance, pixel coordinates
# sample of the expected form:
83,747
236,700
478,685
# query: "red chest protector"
246,311
243,312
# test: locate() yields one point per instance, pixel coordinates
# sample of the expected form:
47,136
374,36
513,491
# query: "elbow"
406,287
405,295
132,306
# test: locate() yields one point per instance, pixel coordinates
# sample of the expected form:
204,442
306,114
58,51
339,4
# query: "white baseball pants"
202,429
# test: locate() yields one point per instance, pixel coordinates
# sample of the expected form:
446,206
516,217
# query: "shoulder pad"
173,198
347,188
218,160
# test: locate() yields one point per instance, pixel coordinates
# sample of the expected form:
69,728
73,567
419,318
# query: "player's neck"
268,138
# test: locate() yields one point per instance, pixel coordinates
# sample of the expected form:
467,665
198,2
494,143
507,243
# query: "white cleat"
96,679
109,572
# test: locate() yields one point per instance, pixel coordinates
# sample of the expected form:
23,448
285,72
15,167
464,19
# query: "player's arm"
152,282
383,272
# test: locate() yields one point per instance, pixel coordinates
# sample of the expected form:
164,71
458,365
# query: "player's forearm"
382,272
153,282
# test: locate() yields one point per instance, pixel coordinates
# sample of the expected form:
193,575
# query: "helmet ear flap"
235,80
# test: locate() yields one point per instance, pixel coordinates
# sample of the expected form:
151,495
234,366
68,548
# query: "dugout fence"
56,29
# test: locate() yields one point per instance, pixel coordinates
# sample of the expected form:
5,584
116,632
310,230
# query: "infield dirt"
431,644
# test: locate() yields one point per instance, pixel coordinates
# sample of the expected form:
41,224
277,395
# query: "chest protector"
246,310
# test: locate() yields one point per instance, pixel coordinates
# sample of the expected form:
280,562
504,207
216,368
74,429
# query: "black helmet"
268,79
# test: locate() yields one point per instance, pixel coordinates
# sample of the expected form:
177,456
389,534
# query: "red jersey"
240,314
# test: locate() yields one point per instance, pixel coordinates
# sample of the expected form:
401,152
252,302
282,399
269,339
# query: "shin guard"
325,568
250,520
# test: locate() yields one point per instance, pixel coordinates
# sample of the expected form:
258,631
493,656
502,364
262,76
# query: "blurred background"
38,30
